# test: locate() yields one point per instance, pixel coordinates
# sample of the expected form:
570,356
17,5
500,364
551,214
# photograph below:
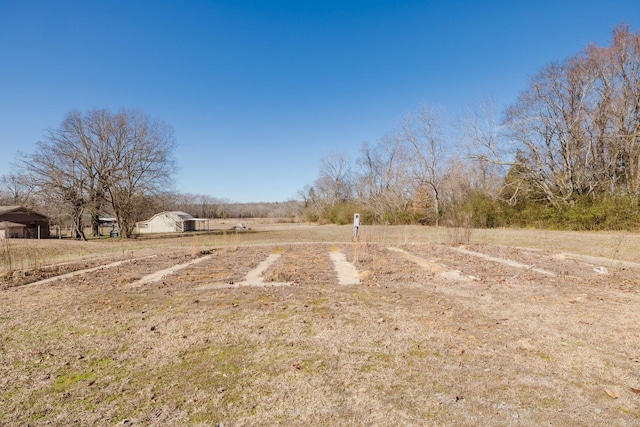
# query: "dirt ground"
540,331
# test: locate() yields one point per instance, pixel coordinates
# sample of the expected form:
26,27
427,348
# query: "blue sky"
259,91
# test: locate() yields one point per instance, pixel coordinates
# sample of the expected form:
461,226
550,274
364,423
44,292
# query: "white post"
356,225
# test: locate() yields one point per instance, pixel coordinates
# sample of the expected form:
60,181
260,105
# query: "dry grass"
492,345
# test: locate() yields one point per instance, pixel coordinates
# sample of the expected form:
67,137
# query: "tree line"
565,154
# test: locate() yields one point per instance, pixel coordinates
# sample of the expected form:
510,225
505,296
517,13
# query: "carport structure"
21,222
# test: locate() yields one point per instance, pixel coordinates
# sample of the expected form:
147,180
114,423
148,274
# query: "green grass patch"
67,381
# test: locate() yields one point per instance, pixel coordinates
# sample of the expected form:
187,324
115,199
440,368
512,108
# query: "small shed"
167,222
11,230
35,225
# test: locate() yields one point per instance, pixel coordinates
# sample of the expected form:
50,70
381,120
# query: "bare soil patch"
410,344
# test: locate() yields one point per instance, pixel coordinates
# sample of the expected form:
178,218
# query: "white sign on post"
356,225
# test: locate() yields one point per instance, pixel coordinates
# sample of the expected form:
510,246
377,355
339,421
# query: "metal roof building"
34,224
167,222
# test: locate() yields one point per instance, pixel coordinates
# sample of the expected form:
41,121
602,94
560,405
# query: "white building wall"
12,232
159,224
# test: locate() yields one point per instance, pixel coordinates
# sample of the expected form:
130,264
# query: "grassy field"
27,254
429,336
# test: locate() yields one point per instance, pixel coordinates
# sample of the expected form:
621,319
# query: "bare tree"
577,126
492,155
333,186
335,179
56,171
100,159
424,133
384,184
16,190
140,164
617,122
89,136
547,122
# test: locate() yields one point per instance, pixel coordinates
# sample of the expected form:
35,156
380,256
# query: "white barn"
167,222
